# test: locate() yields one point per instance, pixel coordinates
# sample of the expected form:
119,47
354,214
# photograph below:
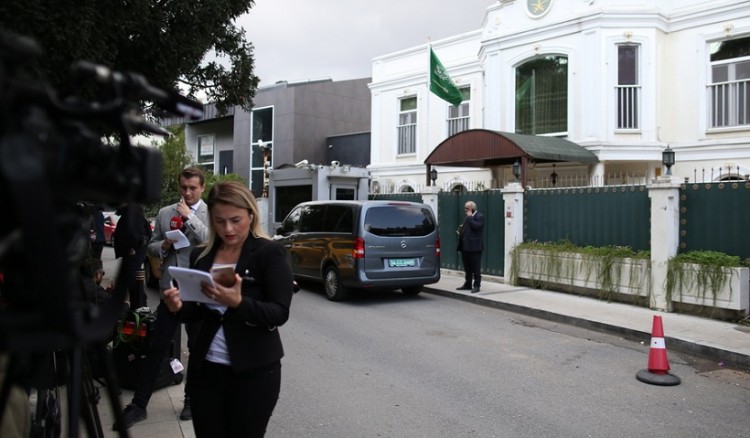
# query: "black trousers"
137,293
164,331
229,404
472,267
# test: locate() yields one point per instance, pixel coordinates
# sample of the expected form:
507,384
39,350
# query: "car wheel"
332,284
411,290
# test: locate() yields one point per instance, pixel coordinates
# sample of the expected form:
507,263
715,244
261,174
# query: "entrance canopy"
485,148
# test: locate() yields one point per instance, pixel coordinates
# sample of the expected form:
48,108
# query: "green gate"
714,217
451,215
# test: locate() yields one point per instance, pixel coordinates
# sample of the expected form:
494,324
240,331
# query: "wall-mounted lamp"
433,175
346,168
517,170
667,159
553,175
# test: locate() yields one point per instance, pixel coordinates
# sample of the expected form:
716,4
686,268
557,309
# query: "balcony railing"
457,125
628,105
728,104
407,139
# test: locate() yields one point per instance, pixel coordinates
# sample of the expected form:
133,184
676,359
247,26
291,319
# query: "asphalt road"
386,365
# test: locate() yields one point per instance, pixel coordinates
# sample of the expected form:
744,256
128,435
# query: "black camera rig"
53,158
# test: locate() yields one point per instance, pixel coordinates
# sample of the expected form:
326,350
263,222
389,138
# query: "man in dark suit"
190,215
130,239
471,245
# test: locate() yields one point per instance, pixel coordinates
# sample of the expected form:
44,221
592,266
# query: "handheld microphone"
175,223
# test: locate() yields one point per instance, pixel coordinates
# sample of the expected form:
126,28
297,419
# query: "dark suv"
363,244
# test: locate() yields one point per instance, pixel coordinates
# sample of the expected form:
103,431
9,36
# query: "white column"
597,175
430,197
665,234
513,197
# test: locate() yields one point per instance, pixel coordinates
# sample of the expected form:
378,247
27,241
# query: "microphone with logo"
175,223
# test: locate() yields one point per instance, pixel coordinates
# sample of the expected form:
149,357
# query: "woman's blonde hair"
237,195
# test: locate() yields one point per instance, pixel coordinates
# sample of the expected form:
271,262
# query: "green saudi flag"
441,84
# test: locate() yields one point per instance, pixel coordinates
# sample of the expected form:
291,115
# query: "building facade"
289,123
624,79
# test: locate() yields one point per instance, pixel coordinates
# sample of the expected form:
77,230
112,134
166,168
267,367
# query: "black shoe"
187,413
464,287
475,289
131,415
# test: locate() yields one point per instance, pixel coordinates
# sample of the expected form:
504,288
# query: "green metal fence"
596,216
714,217
451,215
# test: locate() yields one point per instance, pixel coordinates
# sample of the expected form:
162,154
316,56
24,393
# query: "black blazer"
471,238
251,329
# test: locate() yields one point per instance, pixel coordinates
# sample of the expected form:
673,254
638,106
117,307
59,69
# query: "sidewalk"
719,341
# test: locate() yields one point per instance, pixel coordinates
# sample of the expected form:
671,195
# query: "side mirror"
280,231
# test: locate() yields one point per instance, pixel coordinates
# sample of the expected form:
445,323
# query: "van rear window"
402,220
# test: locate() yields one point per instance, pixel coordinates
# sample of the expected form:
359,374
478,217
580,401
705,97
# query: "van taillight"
437,246
358,252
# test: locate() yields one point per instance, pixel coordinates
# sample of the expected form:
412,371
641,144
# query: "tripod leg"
89,411
113,388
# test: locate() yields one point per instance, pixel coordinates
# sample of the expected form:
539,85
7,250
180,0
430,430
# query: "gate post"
513,198
430,197
665,235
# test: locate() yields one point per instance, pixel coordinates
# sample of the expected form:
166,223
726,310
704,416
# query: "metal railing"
728,104
407,139
628,105
458,124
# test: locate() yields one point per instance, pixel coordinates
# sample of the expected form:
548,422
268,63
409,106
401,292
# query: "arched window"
542,96
458,188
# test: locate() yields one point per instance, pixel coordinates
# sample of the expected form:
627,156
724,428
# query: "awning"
485,148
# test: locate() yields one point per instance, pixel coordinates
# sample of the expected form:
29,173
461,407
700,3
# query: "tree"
176,157
166,41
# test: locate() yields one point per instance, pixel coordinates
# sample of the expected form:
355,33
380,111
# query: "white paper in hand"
189,281
179,238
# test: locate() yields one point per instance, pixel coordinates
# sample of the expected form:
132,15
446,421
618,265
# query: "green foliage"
601,263
165,41
709,271
212,179
176,157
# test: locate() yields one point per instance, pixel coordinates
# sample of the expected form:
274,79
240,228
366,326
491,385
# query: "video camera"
52,159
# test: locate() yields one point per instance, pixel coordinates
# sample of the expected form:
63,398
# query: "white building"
624,79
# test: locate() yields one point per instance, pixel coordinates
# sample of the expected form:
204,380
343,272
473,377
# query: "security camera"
335,164
302,164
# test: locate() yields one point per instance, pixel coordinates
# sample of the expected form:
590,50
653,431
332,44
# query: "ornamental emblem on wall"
537,8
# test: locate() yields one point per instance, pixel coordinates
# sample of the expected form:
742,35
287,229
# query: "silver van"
363,244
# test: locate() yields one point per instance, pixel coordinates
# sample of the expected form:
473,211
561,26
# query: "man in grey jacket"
189,215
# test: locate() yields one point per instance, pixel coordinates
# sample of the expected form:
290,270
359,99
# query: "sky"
301,40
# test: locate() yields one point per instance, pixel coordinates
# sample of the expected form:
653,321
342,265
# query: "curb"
729,358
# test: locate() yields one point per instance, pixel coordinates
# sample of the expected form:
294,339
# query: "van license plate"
401,263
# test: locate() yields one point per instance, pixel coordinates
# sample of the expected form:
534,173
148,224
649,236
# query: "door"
226,158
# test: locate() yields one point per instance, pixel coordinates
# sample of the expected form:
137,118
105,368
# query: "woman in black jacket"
234,367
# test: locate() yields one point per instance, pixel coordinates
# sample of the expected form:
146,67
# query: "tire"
332,285
412,290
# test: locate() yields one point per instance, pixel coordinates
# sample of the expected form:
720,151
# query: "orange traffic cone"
658,365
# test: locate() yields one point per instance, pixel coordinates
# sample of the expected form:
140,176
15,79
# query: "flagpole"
427,100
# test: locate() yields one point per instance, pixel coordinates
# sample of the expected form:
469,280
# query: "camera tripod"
81,391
